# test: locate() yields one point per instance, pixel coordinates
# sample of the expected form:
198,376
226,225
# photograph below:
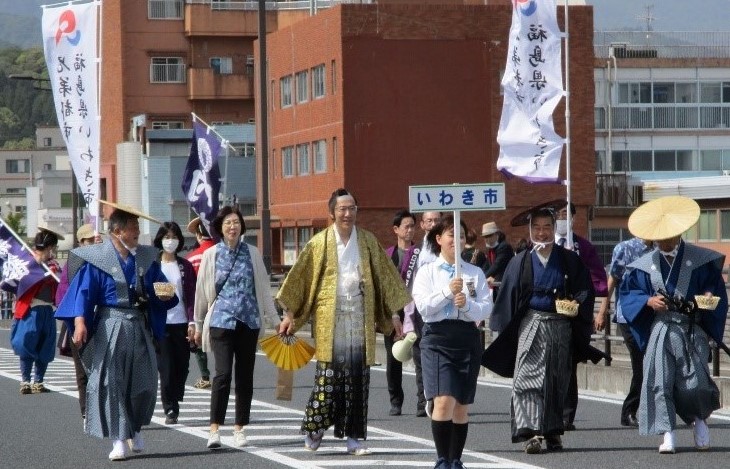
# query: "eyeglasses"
351,209
232,223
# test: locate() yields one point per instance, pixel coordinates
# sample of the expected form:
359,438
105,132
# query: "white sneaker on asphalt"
214,440
239,438
701,434
119,451
668,446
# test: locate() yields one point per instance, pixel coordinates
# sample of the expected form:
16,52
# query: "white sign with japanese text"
70,46
529,147
469,197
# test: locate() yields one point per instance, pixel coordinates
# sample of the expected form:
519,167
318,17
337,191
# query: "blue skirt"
451,352
34,336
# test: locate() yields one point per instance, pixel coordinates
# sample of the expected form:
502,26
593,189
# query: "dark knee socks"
458,440
442,435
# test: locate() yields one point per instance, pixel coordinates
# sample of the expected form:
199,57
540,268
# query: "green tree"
15,222
26,143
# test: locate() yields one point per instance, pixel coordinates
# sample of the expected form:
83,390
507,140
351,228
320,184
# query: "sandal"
313,440
533,445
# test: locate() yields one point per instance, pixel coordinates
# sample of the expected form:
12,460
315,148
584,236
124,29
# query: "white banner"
70,46
533,86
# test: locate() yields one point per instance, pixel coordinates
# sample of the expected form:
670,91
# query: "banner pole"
211,129
568,194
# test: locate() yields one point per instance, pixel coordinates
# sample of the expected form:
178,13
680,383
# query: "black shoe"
395,410
457,464
171,417
442,463
553,443
421,412
568,426
629,421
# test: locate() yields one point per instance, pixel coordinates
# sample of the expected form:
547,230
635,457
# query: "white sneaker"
701,434
668,446
239,438
137,443
119,451
357,448
214,440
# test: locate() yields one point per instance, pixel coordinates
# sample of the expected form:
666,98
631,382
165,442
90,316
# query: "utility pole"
264,143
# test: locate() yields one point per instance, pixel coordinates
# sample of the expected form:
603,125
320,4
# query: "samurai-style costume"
677,380
344,324
536,345
110,294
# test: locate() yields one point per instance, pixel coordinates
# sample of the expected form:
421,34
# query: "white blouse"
434,299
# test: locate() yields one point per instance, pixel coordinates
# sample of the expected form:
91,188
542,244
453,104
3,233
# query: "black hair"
444,225
202,231
400,215
217,223
470,236
119,219
169,227
45,239
333,199
543,213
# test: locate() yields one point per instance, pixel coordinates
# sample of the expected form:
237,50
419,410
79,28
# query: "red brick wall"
418,103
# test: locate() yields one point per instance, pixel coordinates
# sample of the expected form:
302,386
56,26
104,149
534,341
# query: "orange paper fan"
287,351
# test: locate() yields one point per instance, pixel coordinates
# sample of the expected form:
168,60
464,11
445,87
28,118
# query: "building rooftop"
662,44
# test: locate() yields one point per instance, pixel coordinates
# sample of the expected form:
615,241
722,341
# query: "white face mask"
170,245
672,253
131,251
561,227
492,245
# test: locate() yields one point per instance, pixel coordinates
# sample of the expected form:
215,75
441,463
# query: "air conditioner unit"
726,172
249,60
251,120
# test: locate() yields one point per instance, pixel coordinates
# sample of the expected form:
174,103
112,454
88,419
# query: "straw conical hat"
664,218
129,209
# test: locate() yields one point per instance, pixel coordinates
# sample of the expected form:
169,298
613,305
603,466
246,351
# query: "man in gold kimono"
345,283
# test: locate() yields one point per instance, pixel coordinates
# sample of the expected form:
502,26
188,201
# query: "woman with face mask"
174,349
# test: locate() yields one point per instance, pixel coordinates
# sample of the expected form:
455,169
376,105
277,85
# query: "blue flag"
20,270
202,177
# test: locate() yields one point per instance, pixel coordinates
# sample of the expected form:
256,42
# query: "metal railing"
273,5
167,73
664,116
661,44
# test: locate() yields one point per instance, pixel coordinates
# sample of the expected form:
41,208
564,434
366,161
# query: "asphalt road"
45,431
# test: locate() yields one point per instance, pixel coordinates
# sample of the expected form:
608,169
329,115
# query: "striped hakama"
341,387
122,367
542,372
676,376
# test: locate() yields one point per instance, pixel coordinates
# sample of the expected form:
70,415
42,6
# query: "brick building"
375,98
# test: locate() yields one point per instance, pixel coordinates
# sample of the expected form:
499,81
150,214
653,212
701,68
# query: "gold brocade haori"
310,289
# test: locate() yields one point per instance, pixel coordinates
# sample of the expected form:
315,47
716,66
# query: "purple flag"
202,177
20,270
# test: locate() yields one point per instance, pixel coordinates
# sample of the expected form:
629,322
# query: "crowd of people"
134,314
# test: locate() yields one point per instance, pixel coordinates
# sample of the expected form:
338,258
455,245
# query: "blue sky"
670,15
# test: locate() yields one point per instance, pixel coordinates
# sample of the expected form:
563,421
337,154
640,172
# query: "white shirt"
349,276
432,294
176,314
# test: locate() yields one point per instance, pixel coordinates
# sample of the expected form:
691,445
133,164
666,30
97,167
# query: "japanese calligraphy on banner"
70,47
468,197
529,147
201,182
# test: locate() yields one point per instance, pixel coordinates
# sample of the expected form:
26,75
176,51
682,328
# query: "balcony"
206,83
613,190
203,19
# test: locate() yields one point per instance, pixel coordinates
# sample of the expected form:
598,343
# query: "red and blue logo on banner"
66,26
527,7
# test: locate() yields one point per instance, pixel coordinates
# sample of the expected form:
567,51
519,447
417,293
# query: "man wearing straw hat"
672,332
115,311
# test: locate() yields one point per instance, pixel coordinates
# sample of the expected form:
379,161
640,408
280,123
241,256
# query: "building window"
165,9
633,93
290,245
222,65
167,70
318,84
285,91
707,226
605,239
167,125
715,92
303,158
641,160
47,167
272,98
15,190
320,156
305,234
334,153
17,166
334,76
287,162
302,87
47,142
